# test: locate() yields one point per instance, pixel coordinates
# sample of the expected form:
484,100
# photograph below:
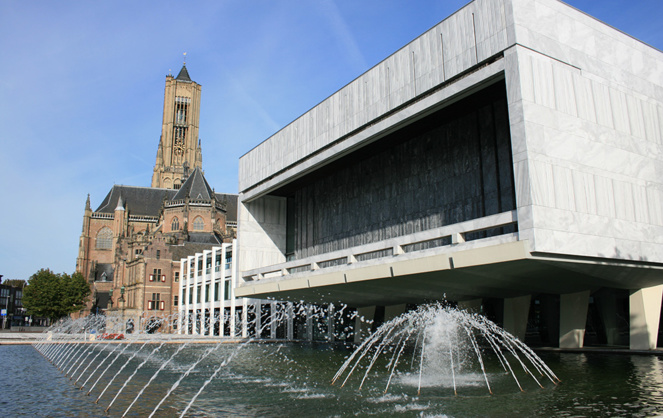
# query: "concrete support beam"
516,311
572,319
471,306
645,312
363,323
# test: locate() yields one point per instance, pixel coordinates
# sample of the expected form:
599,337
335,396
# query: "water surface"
294,380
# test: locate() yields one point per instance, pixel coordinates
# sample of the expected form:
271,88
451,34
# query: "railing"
98,215
143,218
450,235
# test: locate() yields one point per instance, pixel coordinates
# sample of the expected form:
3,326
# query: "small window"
175,300
158,254
226,289
175,225
177,276
198,224
105,238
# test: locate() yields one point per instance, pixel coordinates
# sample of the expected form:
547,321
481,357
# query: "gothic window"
181,109
105,238
198,224
175,225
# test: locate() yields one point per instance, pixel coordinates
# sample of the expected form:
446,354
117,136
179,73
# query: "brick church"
131,245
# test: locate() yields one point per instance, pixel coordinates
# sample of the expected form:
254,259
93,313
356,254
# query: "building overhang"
503,270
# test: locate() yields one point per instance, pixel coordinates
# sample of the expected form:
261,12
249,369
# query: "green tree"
55,295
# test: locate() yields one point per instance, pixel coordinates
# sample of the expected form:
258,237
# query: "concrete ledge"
293,284
422,265
490,255
327,279
369,273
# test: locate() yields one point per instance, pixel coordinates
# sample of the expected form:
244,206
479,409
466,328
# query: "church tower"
179,147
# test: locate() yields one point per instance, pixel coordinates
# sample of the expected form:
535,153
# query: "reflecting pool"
293,379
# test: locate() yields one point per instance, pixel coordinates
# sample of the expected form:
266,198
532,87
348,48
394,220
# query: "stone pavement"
19,337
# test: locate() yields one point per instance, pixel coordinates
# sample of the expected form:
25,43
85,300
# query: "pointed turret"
183,75
120,204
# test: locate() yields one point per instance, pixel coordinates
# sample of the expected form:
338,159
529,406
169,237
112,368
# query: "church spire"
179,131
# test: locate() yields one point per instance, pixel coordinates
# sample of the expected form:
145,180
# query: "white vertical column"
330,322
203,291
645,312
572,319
222,288
258,307
516,311
196,306
245,318
233,264
290,321
273,320
180,296
214,278
188,296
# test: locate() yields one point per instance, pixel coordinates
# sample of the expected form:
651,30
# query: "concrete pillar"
516,311
471,306
363,322
330,322
392,311
606,301
645,312
258,320
290,321
572,319
273,321
309,323
245,318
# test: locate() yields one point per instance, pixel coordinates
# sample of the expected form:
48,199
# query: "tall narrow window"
158,254
181,109
105,238
198,224
175,225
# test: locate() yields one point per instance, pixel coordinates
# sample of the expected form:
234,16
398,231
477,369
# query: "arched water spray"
448,343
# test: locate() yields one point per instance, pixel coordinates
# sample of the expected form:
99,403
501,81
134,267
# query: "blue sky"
81,91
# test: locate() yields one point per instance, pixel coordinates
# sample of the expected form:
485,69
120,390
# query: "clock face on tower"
178,146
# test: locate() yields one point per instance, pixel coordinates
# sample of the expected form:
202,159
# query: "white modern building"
509,160
207,304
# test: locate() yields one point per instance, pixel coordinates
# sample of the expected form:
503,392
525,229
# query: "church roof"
196,187
231,205
183,75
144,201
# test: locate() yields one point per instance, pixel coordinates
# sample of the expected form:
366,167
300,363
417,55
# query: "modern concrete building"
509,160
207,305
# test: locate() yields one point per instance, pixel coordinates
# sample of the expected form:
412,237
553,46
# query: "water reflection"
293,380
